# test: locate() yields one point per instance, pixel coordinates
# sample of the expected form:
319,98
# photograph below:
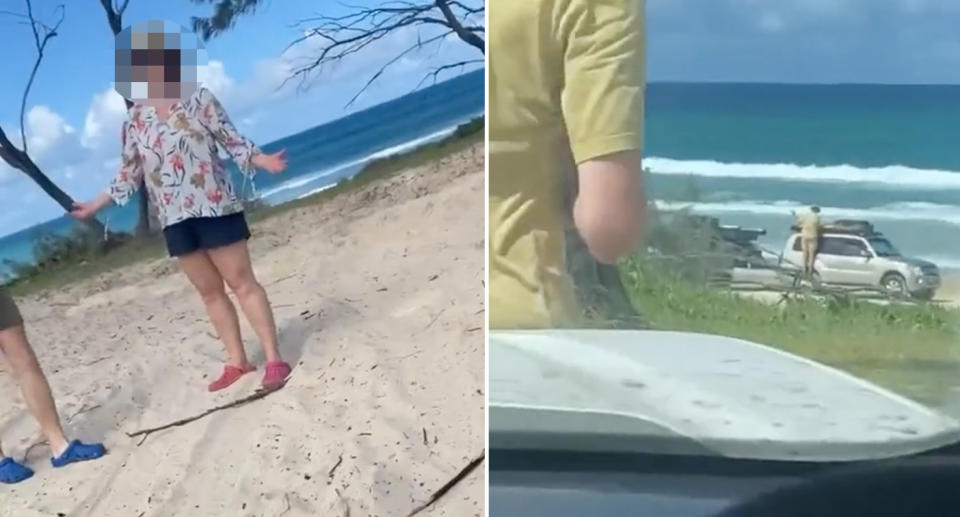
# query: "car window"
842,247
883,248
855,248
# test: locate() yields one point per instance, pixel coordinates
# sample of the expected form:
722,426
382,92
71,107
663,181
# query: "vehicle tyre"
925,295
894,284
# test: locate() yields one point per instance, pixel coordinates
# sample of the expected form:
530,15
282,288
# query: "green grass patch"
911,348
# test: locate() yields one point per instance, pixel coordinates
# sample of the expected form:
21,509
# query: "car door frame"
844,269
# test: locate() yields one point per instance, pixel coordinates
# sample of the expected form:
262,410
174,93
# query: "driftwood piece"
450,484
257,395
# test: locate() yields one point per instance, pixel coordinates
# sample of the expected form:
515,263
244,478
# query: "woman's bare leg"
233,263
208,282
34,385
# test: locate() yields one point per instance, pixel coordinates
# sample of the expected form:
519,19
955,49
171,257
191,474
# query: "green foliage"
687,245
53,251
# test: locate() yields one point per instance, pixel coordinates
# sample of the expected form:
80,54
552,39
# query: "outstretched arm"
124,184
246,155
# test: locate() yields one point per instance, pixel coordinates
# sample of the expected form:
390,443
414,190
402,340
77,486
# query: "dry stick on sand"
259,394
334,469
450,484
277,281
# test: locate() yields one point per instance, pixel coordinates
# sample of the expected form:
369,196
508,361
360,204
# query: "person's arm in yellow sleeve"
604,82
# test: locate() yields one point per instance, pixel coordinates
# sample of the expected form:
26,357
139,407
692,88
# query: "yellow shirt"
566,83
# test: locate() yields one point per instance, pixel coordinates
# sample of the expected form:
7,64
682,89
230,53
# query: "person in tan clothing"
809,224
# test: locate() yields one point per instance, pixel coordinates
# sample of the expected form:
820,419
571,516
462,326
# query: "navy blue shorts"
204,233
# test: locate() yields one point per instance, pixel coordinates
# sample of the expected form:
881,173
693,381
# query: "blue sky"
804,41
74,115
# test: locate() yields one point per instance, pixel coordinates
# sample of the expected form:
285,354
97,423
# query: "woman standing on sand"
170,144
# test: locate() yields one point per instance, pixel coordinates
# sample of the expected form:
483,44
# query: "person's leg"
233,263
36,392
33,384
813,255
207,280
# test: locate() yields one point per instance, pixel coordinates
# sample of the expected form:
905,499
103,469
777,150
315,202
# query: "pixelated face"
157,60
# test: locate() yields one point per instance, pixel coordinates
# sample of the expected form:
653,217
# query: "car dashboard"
563,484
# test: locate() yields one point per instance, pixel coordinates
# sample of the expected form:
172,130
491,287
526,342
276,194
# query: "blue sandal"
78,451
12,472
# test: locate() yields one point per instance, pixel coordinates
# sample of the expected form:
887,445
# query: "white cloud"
46,129
104,119
771,22
214,77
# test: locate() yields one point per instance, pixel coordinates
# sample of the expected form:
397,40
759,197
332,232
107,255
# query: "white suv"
867,259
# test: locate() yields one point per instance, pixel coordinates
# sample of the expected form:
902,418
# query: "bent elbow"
611,238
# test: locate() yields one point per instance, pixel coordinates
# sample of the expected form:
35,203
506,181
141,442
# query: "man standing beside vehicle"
810,226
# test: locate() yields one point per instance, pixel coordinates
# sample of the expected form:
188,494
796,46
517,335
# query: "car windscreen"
645,248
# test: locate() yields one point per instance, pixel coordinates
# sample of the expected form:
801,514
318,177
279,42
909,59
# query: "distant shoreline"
81,266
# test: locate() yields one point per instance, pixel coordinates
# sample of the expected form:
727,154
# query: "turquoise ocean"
752,153
319,157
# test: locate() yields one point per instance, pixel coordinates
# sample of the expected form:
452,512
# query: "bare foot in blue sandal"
12,472
79,451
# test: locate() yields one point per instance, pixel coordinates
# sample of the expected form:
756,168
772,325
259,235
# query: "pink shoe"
230,375
276,374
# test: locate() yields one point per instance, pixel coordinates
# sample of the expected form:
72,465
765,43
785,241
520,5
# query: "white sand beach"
379,299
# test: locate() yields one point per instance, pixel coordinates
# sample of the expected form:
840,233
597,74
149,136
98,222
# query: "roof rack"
847,226
738,234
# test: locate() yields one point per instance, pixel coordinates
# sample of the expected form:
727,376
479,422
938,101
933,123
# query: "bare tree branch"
19,159
400,56
344,35
114,14
348,34
225,15
15,15
453,22
48,32
433,74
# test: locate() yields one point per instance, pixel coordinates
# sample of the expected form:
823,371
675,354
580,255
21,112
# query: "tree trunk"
22,162
143,223
114,19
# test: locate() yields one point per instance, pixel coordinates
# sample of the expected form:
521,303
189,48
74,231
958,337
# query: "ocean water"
751,153
318,157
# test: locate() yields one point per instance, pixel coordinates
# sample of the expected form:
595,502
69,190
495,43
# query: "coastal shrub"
687,245
53,251
470,128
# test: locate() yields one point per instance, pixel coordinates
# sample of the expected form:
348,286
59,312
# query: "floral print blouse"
178,158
